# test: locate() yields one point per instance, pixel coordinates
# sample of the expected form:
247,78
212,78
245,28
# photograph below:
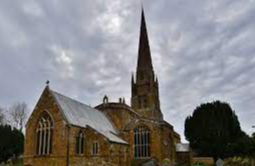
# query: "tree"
11,142
214,130
252,153
2,116
18,115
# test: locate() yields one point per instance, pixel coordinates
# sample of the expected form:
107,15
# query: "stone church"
62,131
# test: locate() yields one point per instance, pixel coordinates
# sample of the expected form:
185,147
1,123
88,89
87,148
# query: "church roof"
79,114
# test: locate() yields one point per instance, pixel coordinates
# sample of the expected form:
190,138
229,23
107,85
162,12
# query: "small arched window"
80,143
44,135
95,148
142,142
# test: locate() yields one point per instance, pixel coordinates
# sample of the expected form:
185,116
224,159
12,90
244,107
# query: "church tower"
145,93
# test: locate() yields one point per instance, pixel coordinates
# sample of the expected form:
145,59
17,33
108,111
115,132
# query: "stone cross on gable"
219,162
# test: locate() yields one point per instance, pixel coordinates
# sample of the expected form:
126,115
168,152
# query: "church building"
62,131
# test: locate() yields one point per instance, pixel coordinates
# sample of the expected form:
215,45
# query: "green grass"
16,163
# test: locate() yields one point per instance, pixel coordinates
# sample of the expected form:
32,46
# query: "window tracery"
142,142
44,135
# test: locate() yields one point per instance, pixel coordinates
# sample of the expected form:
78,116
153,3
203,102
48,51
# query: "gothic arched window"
44,133
80,143
142,142
95,148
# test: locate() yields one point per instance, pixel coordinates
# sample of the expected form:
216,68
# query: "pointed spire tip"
144,57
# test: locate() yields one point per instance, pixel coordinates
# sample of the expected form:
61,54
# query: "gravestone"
151,162
219,162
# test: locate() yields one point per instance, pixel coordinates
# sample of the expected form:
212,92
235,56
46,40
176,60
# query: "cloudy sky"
202,50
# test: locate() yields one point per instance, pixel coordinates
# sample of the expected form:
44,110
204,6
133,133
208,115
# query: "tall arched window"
44,135
95,148
142,142
80,143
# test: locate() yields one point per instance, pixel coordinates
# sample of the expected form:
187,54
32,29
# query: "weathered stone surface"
64,141
58,156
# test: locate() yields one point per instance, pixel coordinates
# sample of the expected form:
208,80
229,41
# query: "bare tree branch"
18,114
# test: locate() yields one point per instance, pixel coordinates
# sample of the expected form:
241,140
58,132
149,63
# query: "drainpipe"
68,146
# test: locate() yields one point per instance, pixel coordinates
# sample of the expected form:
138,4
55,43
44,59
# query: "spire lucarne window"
142,142
44,133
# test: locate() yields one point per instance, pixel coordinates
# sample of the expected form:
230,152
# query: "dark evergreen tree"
214,130
252,149
11,142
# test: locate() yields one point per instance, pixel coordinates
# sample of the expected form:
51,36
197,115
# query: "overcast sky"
202,50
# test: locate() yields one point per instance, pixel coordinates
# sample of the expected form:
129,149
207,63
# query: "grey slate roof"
181,147
79,114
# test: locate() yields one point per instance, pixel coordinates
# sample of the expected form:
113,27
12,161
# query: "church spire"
144,55
144,92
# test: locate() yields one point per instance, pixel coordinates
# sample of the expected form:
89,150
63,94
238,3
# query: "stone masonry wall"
59,142
110,154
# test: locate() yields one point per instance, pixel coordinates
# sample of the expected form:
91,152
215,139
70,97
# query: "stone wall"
162,139
119,114
111,154
64,141
163,136
59,142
